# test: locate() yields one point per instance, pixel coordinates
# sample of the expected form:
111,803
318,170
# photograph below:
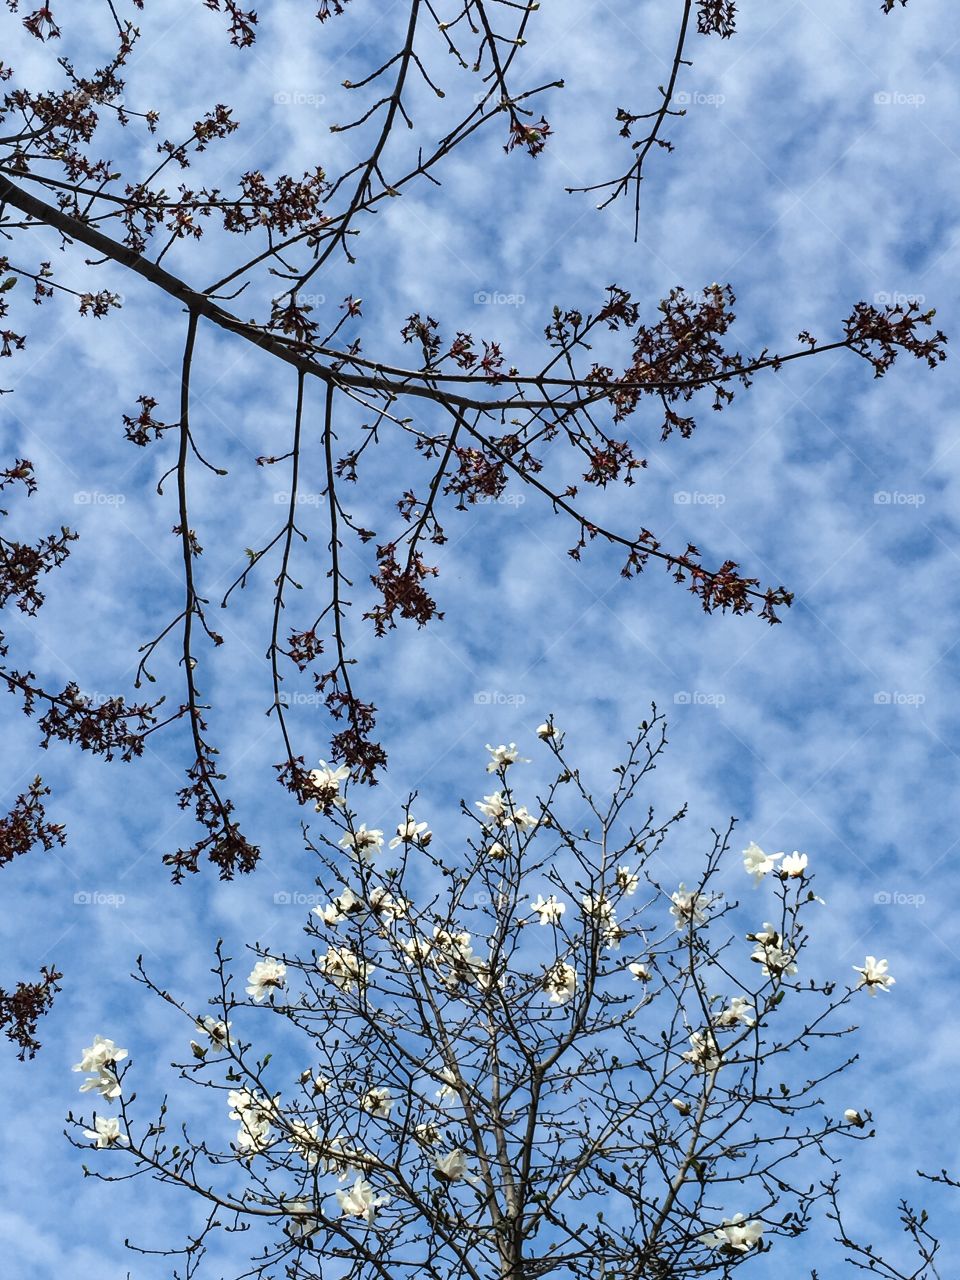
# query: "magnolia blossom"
549,909
344,904
266,976
686,909
493,807
757,863
627,880
325,781
427,1134
378,1102
874,975
738,1010
105,1082
704,1052
412,832
854,1118
775,957
360,1201
99,1054
106,1132
502,757
682,1106
523,819
362,842
303,1220
496,850
416,950
345,969
560,982
255,1113
386,907
305,1140
640,972
453,1166
546,731
794,864
735,1234
449,1087
217,1031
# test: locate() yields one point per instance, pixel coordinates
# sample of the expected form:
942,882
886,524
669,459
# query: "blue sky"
808,175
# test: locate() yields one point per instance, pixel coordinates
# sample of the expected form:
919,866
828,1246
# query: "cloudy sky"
815,167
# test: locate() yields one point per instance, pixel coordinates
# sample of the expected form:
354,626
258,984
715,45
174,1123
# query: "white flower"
502,757
546,731
105,1082
303,1221
255,1113
453,1166
266,976
378,1102
738,1010
496,850
345,969
449,1087
774,956
415,950
735,1234
412,832
326,783
217,1031
598,906
854,1118
106,1132
492,807
686,907
305,1141
795,864
682,1107
640,972
874,975
757,863
386,907
561,982
549,909
427,1134
704,1052
360,1201
627,880
344,904
362,842
522,819
99,1054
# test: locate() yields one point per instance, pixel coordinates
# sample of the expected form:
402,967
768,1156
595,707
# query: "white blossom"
453,1166
345,969
378,1102
560,982
305,1140
360,1201
105,1082
386,907
326,783
854,1117
449,1087
493,807
255,1113
522,818
427,1134
546,731
345,904
502,757
363,842
549,909
739,1010
99,1054
303,1220
640,972
735,1234
265,977
627,880
793,865
682,1106
106,1132
412,832
686,907
217,1031
496,850
874,975
757,863
416,949
775,957
704,1052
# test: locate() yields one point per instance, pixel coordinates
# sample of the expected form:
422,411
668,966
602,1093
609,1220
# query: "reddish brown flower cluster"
22,1008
